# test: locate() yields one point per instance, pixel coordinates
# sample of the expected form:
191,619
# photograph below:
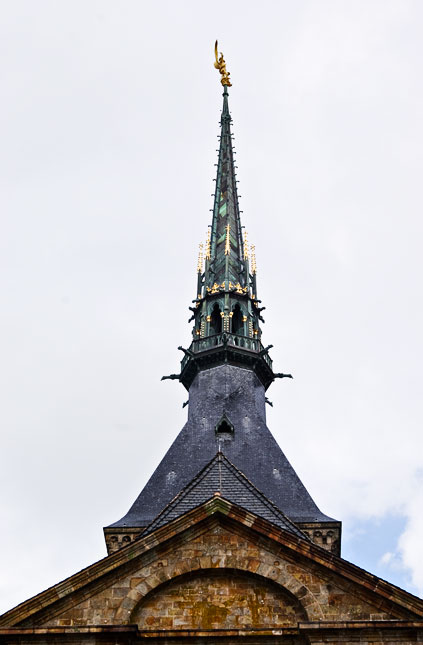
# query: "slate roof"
221,476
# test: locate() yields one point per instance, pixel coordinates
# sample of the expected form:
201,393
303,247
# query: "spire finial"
221,66
245,245
253,259
200,259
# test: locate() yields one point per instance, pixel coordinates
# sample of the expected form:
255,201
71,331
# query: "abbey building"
224,544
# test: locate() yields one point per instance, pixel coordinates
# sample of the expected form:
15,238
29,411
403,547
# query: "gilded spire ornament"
253,260
228,240
200,259
221,66
208,246
245,245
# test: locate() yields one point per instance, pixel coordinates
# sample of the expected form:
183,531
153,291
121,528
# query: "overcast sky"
109,116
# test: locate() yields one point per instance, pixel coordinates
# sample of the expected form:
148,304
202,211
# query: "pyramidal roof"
251,447
221,477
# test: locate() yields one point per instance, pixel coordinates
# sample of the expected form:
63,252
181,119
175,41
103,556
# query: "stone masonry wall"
219,600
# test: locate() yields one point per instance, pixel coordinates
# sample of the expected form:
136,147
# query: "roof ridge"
266,500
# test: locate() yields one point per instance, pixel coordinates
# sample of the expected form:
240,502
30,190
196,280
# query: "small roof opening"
224,426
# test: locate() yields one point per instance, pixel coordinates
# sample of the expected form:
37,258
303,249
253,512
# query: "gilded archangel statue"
221,66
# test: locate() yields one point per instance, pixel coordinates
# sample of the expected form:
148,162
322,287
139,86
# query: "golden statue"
221,66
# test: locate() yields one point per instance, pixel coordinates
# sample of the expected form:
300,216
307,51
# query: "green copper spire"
226,300
227,312
227,262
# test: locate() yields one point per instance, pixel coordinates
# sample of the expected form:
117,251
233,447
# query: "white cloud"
411,541
387,558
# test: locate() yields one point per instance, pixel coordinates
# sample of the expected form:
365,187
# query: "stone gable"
218,572
211,566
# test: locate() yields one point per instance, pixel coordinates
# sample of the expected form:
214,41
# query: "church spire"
227,263
227,312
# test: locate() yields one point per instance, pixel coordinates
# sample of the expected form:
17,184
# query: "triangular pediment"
216,537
